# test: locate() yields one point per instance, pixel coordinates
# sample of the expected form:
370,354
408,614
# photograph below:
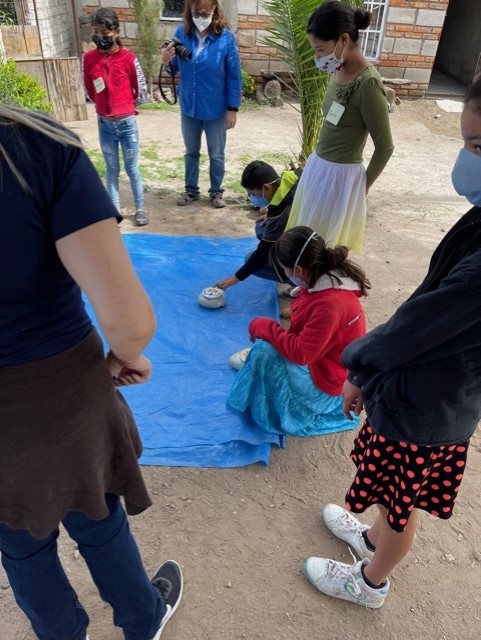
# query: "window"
370,40
172,8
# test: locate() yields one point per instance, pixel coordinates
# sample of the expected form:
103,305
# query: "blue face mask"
466,176
257,202
298,282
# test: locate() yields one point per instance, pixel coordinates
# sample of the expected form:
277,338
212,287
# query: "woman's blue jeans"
215,133
42,590
123,132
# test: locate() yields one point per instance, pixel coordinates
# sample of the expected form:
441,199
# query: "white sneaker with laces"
348,528
344,581
237,359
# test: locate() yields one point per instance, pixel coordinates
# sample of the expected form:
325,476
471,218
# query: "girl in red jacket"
292,379
114,82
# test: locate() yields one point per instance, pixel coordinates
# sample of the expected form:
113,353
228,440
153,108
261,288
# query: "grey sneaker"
187,198
169,581
347,528
217,201
344,581
141,218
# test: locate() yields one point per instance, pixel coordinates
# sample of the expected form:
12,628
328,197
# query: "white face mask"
330,63
202,24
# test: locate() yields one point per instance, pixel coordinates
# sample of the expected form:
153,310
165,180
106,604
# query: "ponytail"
301,246
331,19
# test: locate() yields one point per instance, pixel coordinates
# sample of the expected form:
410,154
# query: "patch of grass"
234,186
157,106
250,105
149,152
275,158
98,161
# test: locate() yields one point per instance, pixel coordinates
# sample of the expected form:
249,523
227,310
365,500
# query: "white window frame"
371,39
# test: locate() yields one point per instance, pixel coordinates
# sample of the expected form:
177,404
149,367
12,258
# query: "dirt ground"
241,535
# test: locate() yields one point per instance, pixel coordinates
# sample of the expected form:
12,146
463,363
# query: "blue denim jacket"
211,81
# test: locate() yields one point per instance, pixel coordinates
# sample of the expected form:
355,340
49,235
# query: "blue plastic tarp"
181,412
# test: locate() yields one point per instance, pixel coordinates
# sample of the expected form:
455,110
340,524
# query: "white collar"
335,280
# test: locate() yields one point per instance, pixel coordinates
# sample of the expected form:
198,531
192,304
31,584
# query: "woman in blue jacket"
210,92
418,378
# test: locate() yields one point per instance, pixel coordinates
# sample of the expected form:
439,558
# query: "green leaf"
287,35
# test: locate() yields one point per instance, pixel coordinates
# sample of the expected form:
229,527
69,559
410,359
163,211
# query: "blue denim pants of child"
42,590
216,136
123,132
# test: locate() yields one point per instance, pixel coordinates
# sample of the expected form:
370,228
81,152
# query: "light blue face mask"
297,281
258,202
466,176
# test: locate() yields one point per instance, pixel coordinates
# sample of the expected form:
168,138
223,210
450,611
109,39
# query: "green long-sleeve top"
366,112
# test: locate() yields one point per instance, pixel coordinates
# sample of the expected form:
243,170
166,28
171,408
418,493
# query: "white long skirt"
331,199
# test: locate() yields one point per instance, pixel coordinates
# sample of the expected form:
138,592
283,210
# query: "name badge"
99,84
335,112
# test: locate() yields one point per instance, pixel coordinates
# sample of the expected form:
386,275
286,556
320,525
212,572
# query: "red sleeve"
315,338
88,83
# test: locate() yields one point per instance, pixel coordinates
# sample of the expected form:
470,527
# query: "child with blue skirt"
291,380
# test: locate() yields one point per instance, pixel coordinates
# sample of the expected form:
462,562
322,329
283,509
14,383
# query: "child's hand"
262,218
352,402
226,283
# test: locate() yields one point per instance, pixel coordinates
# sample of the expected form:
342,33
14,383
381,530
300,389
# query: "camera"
180,49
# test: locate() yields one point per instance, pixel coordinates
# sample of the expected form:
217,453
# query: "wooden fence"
61,77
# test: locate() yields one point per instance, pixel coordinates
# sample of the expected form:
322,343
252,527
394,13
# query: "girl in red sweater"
292,379
114,82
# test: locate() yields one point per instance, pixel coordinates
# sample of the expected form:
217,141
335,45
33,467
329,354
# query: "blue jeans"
215,133
123,132
42,589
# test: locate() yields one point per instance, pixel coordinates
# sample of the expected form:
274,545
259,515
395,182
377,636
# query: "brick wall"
411,37
251,29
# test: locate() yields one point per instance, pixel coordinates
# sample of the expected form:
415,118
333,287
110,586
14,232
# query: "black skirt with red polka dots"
401,476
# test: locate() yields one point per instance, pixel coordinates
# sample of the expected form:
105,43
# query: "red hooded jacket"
325,319
114,82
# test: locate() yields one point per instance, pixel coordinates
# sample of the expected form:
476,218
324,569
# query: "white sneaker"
348,528
237,359
344,581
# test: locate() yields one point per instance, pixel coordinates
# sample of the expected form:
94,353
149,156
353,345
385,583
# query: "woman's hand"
168,54
231,119
127,373
352,401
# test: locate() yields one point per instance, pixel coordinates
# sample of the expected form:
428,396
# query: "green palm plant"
287,36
